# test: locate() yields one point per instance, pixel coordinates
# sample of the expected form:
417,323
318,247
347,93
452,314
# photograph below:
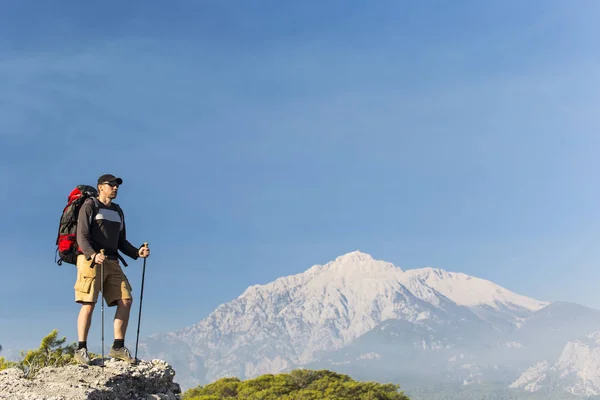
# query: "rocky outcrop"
116,380
576,371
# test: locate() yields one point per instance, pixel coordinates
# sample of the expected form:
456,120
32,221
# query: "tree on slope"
299,384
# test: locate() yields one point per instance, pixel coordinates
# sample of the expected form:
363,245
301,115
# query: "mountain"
576,371
370,317
559,323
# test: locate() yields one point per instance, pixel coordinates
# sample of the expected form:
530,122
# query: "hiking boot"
122,353
82,357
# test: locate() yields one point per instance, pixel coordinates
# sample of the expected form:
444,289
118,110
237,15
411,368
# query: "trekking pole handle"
93,260
145,244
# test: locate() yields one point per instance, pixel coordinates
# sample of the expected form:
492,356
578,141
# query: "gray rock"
116,380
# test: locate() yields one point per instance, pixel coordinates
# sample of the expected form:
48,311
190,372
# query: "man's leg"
84,321
118,349
86,288
118,292
122,318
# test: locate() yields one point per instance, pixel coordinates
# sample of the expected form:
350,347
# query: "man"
101,225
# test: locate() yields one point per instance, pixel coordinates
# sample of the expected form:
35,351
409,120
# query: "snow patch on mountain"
468,291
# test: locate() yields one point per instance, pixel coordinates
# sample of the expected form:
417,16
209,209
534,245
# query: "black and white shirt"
106,231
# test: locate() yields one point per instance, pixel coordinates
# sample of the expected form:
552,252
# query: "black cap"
108,178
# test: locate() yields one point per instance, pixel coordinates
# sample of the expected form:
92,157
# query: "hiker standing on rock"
101,225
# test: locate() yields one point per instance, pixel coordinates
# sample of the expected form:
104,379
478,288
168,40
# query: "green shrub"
51,353
299,384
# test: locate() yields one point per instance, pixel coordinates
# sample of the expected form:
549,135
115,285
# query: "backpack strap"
118,207
96,208
122,259
122,223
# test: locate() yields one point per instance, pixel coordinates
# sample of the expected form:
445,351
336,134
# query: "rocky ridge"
116,380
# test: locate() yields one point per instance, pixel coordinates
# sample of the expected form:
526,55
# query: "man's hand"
99,258
144,251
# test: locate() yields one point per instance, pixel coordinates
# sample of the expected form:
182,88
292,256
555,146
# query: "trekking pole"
140,312
102,295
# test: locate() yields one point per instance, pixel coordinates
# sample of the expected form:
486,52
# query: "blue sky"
256,139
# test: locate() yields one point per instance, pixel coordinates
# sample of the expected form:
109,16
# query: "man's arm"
83,229
127,248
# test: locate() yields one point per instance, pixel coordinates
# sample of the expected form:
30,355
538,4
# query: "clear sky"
258,138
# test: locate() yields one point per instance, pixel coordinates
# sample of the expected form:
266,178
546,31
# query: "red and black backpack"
66,242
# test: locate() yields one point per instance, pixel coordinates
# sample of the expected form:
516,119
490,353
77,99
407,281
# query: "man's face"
109,189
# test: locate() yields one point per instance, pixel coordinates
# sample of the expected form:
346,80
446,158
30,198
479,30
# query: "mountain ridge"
353,263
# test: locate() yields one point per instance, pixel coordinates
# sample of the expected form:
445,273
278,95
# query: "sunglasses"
112,184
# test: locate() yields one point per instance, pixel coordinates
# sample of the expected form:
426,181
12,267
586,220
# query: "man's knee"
87,306
124,303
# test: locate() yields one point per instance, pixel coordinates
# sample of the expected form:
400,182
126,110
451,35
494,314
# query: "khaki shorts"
87,287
